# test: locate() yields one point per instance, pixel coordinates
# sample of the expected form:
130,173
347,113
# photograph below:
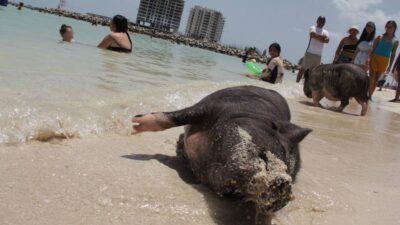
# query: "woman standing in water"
364,46
347,47
382,55
67,33
119,39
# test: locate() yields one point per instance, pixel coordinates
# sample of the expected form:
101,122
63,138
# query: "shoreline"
116,179
174,38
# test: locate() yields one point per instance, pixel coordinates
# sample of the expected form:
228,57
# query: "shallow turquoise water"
48,86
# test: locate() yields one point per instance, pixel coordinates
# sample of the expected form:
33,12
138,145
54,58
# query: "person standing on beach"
396,76
364,46
318,37
119,39
347,47
382,55
67,33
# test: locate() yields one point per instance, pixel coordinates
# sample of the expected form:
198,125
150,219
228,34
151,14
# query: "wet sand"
349,175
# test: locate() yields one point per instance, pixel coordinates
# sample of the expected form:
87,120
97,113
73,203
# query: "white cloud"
362,11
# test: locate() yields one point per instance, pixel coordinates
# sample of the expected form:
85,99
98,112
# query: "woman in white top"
364,46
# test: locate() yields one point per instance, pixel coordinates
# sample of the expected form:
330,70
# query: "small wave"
24,122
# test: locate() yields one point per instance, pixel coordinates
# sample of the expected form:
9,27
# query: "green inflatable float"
253,68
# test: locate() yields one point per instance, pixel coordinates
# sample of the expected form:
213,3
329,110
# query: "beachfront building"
160,14
205,23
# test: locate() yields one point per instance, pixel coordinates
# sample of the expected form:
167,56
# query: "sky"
261,22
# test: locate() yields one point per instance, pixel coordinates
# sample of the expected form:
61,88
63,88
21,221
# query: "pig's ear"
291,131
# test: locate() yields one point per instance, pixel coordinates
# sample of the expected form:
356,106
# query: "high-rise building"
160,14
205,23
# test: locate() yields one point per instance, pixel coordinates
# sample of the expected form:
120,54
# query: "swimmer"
274,71
66,33
119,39
20,5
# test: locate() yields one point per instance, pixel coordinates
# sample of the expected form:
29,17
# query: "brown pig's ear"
291,131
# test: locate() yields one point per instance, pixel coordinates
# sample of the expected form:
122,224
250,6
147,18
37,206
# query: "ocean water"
52,89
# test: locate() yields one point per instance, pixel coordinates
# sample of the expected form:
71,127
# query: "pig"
337,82
239,142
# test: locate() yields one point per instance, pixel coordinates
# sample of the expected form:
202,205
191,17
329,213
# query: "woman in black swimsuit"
119,39
347,47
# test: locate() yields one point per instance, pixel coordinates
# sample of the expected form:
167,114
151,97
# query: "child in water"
20,5
274,71
66,33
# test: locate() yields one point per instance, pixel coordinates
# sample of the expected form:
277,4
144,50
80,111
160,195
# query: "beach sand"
349,176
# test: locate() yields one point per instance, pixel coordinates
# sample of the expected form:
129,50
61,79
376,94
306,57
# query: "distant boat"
3,2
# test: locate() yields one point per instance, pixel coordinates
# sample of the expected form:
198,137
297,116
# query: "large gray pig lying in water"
337,82
239,141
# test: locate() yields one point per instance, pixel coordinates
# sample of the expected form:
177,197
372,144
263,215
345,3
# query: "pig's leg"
317,96
180,146
343,104
364,106
162,121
